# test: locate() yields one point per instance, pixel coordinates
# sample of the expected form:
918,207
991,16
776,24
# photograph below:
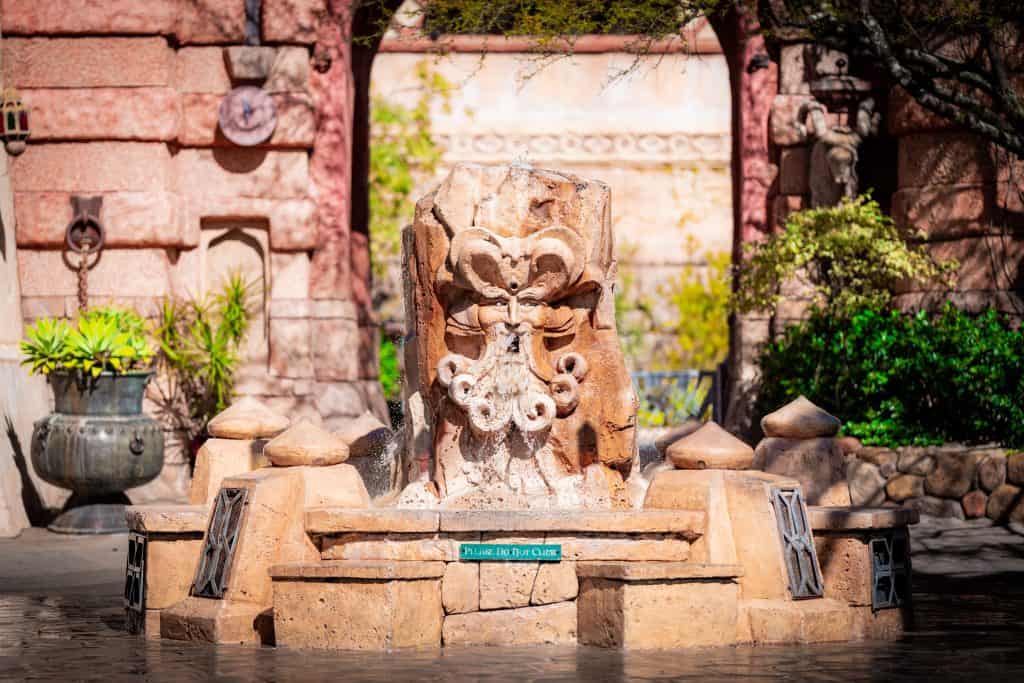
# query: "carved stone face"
516,359
511,283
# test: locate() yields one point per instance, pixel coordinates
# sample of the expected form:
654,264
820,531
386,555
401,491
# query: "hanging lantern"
15,122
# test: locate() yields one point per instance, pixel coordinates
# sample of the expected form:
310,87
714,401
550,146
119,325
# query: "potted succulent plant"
97,442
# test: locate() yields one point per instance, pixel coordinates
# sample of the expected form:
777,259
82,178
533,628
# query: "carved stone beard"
502,388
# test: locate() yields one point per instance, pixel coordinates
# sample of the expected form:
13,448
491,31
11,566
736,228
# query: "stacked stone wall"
943,481
123,99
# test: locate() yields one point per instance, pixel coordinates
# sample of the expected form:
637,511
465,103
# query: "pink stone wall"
123,98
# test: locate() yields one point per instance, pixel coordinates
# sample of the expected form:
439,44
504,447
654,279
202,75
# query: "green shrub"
200,350
103,339
904,378
849,257
390,377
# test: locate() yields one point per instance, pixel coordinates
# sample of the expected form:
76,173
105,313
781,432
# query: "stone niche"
516,386
230,247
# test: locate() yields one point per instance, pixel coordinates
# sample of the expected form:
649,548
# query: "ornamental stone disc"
247,116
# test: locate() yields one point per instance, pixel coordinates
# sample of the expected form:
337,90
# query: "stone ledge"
656,571
168,519
849,518
687,523
379,570
330,520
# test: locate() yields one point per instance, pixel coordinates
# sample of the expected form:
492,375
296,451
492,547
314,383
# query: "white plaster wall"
659,136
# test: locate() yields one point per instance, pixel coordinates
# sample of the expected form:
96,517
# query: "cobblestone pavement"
63,621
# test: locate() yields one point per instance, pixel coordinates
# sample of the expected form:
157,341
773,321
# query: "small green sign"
509,552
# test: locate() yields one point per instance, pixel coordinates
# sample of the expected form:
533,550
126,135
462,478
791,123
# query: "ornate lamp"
15,122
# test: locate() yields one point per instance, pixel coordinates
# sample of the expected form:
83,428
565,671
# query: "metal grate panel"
890,570
135,573
219,545
797,544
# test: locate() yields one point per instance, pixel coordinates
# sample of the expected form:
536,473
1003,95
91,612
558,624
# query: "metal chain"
83,281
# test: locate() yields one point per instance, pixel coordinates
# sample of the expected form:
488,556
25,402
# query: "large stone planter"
97,443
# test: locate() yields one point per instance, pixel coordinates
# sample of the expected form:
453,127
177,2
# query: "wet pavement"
970,625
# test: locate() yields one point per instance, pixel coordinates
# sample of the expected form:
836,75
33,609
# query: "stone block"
334,399
292,21
211,21
992,472
805,621
937,507
846,567
867,485
249,62
950,158
130,219
405,547
338,486
783,119
793,78
75,17
217,621
358,614
818,464
906,116
636,548
1015,468
290,71
555,582
289,275
142,114
290,352
93,167
665,614
86,63
507,584
905,486
974,504
335,355
949,211
220,458
542,625
954,474
1006,503
172,520
916,461
143,272
794,165
380,520
201,70
460,587
216,175
885,459
296,121
171,561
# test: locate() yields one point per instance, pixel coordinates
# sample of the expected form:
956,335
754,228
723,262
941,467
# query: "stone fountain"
515,511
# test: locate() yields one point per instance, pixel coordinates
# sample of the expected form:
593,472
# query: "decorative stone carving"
515,357
247,418
834,152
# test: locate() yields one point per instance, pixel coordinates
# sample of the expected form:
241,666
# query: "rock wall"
944,481
124,99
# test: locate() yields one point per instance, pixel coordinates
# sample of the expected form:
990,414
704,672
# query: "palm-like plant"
106,339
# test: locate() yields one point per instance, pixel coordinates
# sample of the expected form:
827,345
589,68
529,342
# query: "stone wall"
124,98
944,481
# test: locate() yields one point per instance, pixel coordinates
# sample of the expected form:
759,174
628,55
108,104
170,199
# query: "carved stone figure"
516,387
833,165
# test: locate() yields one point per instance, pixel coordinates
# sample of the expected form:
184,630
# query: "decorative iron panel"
135,573
890,569
797,544
219,545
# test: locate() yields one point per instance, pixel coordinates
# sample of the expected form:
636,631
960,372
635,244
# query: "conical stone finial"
800,419
247,418
712,448
304,443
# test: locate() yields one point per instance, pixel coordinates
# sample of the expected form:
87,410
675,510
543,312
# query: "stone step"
168,519
852,517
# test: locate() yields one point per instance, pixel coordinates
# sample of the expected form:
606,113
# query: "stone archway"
753,84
